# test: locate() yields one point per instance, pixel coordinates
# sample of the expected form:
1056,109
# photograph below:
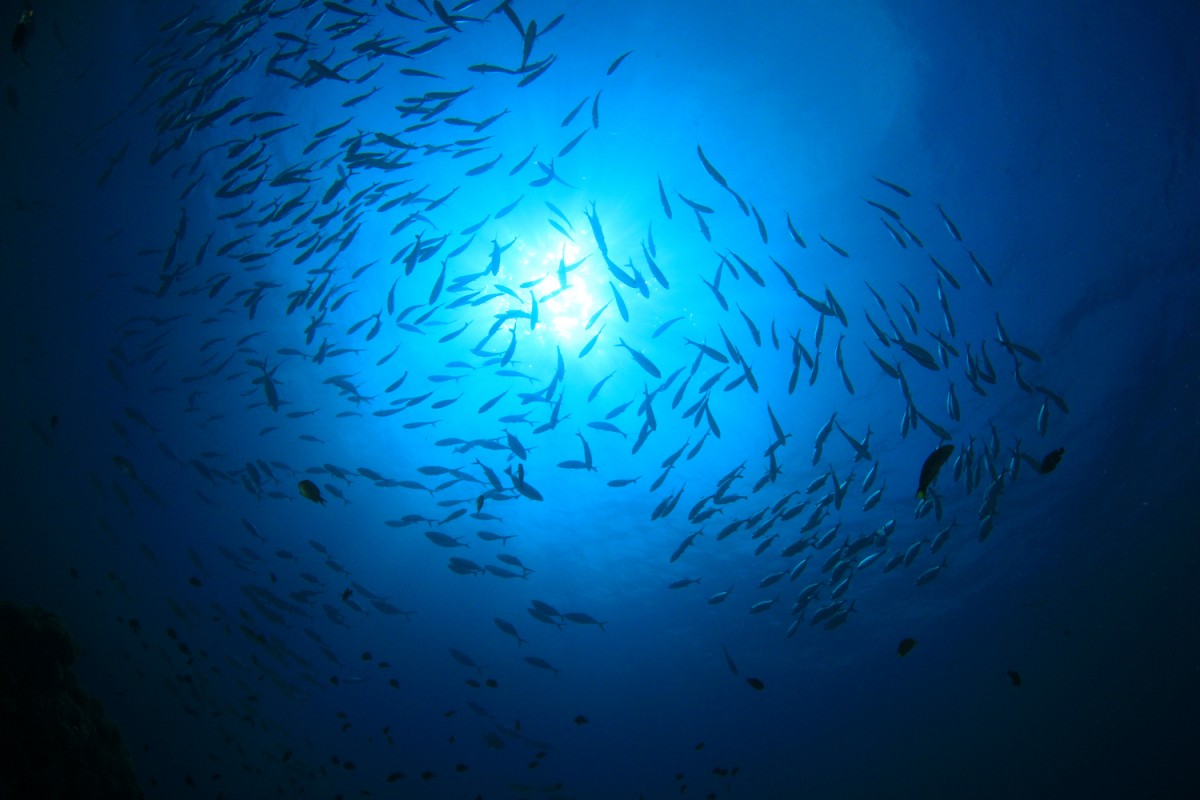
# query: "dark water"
1060,142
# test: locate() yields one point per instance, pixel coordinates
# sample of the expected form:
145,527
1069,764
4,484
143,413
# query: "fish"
509,629
516,169
945,273
617,62
641,360
621,308
22,34
756,684
1014,677
939,539
714,354
762,232
796,237
684,545
931,573
711,170
729,660
763,605
1051,460
571,116
983,273
580,618
906,646
324,71
898,189
842,367
661,329
891,213
841,252
822,435
950,226
929,470
309,491
463,566
861,451
662,198
952,406
569,146
1057,398
541,663
465,660
444,540
918,354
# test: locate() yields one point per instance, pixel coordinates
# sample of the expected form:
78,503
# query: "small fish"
309,491
983,273
580,719
1051,460
541,663
906,646
1015,677
796,237
729,661
931,574
950,226
613,67
756,684
509,629
662,198
841,252
571,116
569,146
762,228
641,360
662,328
24,29
719,597
900,190
126,467
710,169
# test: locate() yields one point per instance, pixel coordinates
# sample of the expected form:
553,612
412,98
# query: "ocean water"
384,248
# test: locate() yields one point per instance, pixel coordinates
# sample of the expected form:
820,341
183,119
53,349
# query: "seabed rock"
56,743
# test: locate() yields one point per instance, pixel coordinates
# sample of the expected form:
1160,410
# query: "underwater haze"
606,400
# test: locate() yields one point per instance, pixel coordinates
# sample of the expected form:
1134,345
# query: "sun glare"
557,275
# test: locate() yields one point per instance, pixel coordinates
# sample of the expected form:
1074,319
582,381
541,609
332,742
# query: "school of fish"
276,205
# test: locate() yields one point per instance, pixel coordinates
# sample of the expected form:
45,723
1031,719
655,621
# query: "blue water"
1060,140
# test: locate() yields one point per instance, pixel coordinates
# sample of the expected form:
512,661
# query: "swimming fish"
309,491
641,360
931,467
21,33
1051,460
729,661
906,646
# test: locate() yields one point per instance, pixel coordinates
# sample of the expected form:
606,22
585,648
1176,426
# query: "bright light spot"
565,327
562,312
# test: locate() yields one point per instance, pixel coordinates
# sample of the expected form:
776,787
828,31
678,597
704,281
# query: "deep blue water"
1058,140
